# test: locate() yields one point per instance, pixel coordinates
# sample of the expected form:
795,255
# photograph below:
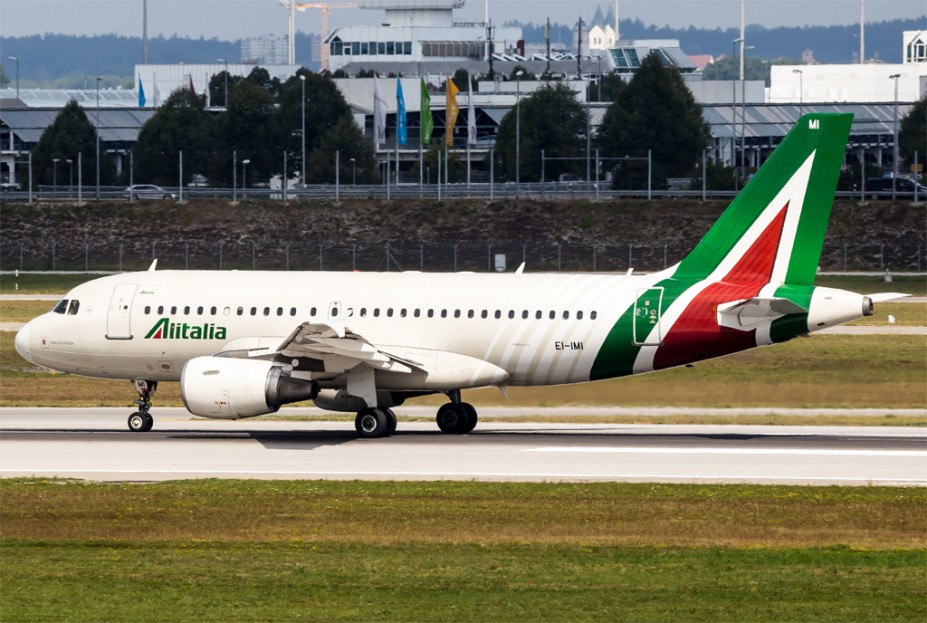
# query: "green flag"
428,124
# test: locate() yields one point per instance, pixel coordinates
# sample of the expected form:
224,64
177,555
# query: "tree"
528,75
655,111
4,79
728,68
912,135
349,141
250,127
181,124
457,166
551,120
611,85
71,133
217,87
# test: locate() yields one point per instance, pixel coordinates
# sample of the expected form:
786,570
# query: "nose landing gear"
141,421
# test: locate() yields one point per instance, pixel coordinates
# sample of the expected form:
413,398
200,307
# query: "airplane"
243,344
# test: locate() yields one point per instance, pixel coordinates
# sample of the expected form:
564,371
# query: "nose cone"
22,342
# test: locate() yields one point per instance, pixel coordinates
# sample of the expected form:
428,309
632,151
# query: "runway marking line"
730,451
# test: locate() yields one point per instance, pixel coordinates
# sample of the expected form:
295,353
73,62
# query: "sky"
235,19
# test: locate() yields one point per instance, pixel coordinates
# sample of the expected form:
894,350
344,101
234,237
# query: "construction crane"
325,8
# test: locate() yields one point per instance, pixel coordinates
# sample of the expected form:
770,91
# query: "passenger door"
119,317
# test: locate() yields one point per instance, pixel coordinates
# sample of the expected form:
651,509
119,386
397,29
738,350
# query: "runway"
94,444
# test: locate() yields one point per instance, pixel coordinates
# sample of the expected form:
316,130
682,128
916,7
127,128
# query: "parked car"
148,191
10,187
881,188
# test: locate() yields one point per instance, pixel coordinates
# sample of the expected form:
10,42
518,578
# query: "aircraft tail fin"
774,229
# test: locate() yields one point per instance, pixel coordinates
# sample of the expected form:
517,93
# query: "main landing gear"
375,422
141,421
456,417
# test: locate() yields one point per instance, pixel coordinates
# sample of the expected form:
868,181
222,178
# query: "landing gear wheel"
140,422
391,421
371,423
472,418
455,419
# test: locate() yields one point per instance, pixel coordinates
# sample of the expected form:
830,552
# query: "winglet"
154,265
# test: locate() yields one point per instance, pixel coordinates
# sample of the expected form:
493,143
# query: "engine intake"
225,388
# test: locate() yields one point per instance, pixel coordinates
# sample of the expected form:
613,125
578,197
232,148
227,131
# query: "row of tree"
262,123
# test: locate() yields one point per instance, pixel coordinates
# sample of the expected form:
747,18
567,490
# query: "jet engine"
226,388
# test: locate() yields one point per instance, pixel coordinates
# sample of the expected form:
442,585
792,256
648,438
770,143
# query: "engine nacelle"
226,388
340,400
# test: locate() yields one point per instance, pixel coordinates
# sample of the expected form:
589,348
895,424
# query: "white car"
147,191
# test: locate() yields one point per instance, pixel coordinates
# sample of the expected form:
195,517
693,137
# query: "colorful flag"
141,93
379,114
402,134
452,110
471,113
207,91
428,122
154,82
192,90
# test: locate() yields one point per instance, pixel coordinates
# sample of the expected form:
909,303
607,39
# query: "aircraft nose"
22,342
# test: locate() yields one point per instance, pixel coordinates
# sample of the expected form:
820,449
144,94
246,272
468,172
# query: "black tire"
138,422
168,197
453,419
472,417
371,423
391,421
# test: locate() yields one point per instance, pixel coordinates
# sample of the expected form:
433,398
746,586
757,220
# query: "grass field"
252,550
28,283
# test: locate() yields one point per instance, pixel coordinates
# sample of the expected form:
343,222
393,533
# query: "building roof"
116,125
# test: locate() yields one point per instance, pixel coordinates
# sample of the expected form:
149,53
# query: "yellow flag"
452,111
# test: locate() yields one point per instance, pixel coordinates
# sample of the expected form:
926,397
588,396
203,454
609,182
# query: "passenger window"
199,310
593,315
417,312
279,311
254,311
212,311
431,313
226,311
470,313
511,313
292,311
498,314
160,309
402,312
524,314
484,314
538,314
186,310
240,311
444,313
312,312
62,307
376,312
566,315
267,311
334,311
389,312
456,313
579,315
173,310
147,310
363,312
552,314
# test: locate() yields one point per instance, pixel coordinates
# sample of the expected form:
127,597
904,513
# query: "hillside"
574,235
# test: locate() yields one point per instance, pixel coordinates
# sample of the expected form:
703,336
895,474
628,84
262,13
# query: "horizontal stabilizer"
747,314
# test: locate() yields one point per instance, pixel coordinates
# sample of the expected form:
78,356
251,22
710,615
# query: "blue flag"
141,93
402,136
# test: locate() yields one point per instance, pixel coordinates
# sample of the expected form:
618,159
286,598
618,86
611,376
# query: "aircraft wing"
746,314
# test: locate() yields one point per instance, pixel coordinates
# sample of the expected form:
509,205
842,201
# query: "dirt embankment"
569,234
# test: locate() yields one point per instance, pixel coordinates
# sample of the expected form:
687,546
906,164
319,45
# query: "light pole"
226,100
244,173
55,173
743,113
302,132
734,107
70,175
801,91
15,59
99,79
518,75
895,135
353,171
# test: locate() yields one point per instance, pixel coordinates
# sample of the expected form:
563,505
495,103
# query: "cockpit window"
61,307
73,307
